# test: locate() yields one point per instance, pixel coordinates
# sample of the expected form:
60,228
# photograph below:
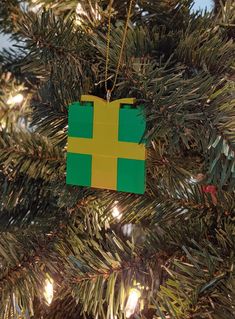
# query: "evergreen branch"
58,7
64,306
107,262
197,280
30,154
24,265
58,119
155,208
221,145
9,10
222,163
99,263
174,101
125,267
206,49
26,262
48,37
42,37
33,156
60,51
222,103
19,199
158,207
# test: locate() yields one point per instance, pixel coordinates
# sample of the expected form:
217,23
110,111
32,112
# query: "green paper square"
131,124
131,176
79,169
81,120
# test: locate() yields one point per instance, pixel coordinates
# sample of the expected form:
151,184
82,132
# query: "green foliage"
31,155
222,146
175,243
202,283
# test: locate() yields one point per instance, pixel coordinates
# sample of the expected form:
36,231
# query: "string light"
79,11
48,290
116,213
17,99
132,302
35,6
127,229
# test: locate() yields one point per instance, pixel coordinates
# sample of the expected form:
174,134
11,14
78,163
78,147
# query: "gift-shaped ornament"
105,145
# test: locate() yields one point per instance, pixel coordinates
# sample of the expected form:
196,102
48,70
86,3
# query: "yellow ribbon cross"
104,146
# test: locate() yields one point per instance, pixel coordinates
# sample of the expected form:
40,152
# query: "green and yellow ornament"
105,141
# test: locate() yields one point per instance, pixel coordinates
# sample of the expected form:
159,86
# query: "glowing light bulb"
132,302
79,11
48,290
36,8
17,99
116,213
127,229
79,8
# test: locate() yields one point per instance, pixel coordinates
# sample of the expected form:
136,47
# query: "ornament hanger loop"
109,91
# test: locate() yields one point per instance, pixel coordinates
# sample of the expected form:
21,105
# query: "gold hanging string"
109,91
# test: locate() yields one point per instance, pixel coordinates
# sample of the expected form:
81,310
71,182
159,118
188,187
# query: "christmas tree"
82,252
